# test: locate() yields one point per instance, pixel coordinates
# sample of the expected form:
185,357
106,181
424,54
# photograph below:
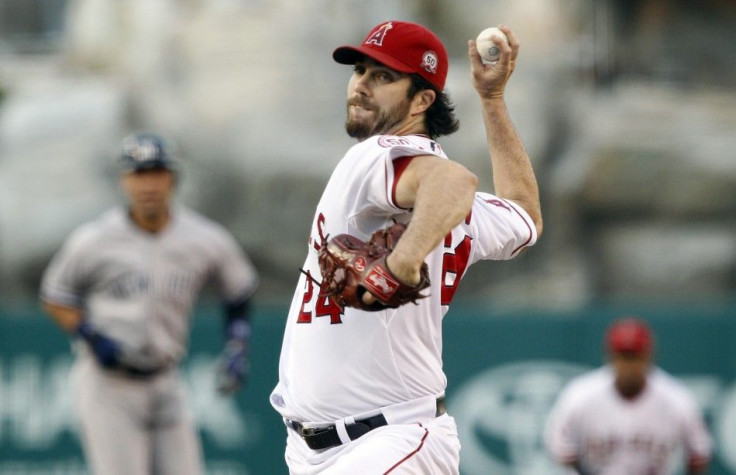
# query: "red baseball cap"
403,46
629,335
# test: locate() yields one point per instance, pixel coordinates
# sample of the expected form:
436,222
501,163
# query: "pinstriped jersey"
139,288
337,362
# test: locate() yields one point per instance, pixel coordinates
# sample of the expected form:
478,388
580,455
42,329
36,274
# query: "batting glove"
105,349
234,366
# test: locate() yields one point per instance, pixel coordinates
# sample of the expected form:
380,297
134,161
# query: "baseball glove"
350,267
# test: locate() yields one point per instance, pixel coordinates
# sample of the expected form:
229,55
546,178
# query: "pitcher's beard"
386,120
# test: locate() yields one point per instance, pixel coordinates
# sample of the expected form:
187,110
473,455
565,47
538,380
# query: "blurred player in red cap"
628,417
629,344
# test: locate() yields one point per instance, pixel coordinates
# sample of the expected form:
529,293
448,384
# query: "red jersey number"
454,263
323,307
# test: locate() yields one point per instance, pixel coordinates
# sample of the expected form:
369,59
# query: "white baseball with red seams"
487,49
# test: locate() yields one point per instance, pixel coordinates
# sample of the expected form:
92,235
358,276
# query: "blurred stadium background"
628,110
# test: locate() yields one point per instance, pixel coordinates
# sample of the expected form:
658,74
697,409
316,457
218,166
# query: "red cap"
629,335
405,47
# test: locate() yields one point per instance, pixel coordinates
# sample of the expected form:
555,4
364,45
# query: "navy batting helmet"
147,151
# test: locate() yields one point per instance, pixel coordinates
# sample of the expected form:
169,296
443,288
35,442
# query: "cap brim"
353,54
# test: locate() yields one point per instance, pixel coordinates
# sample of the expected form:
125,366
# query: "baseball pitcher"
361,386
124,286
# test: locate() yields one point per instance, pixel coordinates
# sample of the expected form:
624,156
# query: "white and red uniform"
342,364
591,423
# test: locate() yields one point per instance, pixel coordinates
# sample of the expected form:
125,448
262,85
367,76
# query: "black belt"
327,437
137,373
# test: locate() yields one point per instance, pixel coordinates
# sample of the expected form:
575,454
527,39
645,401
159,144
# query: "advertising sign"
504,373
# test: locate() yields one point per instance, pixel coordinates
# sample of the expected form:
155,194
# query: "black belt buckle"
310,431
319,438
305,432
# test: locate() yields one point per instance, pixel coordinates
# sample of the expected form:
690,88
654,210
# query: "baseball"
488,50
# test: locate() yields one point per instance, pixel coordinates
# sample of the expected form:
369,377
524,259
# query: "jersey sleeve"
235,274
502,228
67,277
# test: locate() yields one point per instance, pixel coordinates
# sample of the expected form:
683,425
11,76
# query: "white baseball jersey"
607,434
340,362
139,288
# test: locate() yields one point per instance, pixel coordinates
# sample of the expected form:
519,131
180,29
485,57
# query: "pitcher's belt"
326,437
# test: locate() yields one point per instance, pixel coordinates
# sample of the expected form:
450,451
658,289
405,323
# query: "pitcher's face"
377,100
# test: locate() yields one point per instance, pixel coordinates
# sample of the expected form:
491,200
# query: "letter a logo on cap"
377,37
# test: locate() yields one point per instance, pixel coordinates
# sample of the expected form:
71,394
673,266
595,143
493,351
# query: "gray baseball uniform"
139,289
